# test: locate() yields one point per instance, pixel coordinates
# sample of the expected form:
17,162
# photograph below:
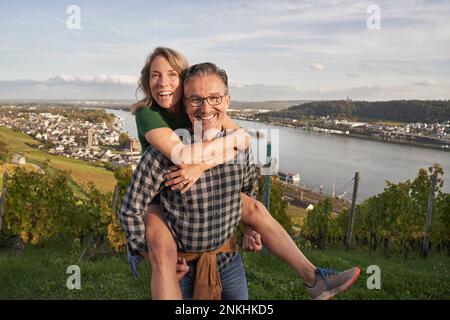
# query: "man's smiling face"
213,88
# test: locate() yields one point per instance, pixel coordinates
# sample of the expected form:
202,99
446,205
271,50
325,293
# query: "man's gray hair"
206,69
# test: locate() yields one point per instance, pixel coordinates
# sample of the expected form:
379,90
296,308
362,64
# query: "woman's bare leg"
162,255
275,238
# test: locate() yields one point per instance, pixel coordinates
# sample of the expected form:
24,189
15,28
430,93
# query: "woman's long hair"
176,60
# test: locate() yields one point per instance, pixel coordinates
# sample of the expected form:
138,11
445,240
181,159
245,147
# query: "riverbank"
303,197
350,134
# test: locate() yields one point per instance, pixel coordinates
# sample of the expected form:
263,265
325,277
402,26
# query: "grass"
400,279
81,171
40,273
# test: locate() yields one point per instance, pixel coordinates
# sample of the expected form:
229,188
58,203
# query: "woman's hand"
252,239
184,178
242,139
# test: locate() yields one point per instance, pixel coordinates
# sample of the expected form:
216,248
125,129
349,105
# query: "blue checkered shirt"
201,219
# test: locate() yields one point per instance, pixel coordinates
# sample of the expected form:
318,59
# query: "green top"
156,117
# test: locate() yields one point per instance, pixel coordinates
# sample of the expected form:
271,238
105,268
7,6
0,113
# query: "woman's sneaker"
331,282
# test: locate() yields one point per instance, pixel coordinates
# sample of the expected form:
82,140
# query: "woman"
157,115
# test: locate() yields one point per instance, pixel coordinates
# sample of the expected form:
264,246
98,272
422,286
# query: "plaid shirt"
203,218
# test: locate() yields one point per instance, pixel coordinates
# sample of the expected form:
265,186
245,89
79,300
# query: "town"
421,134
80,139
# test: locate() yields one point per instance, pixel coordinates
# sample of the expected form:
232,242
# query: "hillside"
82,172
401,110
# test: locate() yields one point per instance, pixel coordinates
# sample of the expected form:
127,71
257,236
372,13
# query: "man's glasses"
198,101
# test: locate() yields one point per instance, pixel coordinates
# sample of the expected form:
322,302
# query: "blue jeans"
234,283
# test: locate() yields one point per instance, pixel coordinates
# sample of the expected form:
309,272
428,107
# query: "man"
204,219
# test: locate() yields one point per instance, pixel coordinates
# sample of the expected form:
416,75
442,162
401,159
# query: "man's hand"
252,239
182,268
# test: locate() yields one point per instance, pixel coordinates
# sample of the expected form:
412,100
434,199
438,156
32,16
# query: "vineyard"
393,221
48,209
40,208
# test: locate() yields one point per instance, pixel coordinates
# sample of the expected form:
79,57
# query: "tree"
116,236
317,223
123,138
4,153
440,228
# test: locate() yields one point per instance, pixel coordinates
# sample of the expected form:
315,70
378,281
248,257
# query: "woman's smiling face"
165,84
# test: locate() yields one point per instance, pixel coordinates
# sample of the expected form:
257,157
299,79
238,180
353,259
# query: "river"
324,160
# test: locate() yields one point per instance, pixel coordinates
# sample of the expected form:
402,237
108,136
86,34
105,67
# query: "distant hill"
398,110
103,104
125,104
267,105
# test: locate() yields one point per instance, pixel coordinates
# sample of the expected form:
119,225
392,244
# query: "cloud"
416,90
317,66
286,42
428,89
98,79
427,83
124,87
71,87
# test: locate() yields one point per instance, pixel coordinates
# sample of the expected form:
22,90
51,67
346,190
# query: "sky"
271,50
